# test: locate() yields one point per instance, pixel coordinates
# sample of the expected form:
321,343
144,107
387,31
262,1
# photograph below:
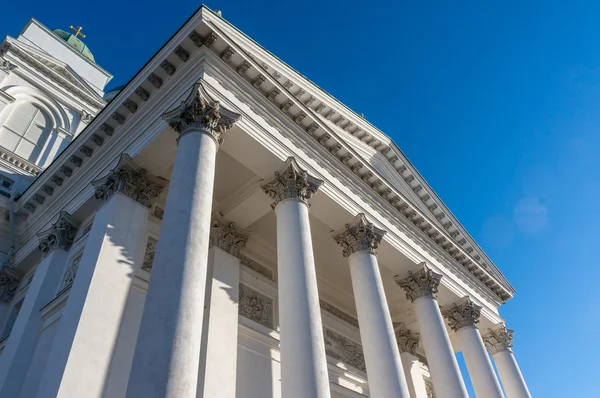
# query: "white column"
499,344
463,318
20,347
82,352
219,378
167,354
359,241
407,344
303,361
421,288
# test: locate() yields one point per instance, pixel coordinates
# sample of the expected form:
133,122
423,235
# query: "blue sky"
496,103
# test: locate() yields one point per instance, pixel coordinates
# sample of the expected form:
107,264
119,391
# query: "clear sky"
496,103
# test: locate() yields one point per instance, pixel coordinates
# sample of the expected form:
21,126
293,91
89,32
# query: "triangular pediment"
59,72
360,146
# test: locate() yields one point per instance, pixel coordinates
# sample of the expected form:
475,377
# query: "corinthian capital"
292,183
462,314
200,112
359,236
226,236
130,180
9,282
407,340
498,339
60,235
422,283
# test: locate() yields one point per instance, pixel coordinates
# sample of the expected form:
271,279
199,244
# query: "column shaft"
79,361
382,357
22,342
303,361
445,374
510,374
483,377
167,353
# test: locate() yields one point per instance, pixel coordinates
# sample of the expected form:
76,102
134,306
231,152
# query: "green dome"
74,42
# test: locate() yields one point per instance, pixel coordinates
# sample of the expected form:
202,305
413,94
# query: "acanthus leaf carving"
498,339
130,180
60,235
200,112
422,283
406,339
292,183
462,314
359,236
226,236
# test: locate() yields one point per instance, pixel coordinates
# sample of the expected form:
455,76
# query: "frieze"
325,306
226,236
343,349
256,306
149,254
256,267
71,272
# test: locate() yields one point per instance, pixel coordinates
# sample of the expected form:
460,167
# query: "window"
25,131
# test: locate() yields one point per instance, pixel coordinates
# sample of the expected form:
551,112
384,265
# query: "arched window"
25,131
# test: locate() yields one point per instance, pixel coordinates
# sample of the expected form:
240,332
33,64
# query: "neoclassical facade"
222,227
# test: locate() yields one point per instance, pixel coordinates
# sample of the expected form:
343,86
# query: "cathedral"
221,227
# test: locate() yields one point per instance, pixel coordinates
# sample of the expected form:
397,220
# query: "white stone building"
222,227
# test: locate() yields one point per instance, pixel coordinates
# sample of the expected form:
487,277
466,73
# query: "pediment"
361,147
56,70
